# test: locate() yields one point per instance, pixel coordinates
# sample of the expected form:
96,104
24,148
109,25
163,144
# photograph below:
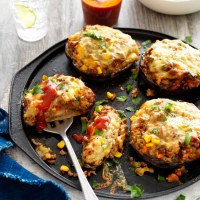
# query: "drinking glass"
30,18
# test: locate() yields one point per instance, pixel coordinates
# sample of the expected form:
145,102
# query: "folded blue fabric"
16,183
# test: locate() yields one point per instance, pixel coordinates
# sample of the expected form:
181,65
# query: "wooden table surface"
65,18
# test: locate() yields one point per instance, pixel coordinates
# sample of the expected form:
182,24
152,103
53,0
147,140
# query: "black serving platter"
55,61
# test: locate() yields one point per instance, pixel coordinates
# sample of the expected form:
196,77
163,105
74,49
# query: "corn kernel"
118,154
61,144
149,144
64,168
44,77
84,67
106,56
110,95
147,138
99,70
155,141
133,118
102,140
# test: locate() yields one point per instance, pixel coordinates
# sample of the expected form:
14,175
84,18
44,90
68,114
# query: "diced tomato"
101,122
40,121
78,137
89,130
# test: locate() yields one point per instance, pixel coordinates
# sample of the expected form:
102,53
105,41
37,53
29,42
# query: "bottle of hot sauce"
102,12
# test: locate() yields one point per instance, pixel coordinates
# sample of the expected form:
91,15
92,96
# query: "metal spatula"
60,129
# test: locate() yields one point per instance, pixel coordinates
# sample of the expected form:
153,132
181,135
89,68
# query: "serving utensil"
60,128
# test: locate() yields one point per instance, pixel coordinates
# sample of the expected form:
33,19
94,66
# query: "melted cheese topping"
180,55
111,52
167,122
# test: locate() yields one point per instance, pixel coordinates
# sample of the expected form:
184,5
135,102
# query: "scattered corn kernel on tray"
54,61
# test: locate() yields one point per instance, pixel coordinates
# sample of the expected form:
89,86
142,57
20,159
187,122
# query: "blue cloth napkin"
17,183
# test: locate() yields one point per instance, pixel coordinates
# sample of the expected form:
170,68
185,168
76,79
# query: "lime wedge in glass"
26,15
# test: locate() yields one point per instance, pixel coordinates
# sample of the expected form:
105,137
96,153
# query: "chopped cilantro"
128,87
98,108
121,114
26,91
84,125
61,86
97,36
115,160
93,34
164,118
94,184
145,43
188,39
187,138
36,89
160,178
103,44
168,107
101,102
155,107
98,132
130,108
180,197
134,75
155,131
111,162
136,100
121,98
78,98
135,190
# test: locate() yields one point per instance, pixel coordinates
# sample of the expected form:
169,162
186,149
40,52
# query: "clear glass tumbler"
30,18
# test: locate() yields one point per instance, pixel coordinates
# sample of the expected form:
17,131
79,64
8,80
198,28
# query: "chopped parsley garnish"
121,114
98,132
160,178
134,75
94,184
155,131
188,39
135,190
61,86
164,118
128,87
168,107
93,34
130,108
98,108
145,43
84,125
78,98
26,92
136,100
101,102
112,162
97,36
121,98
180,197
36,89
187,138
155,107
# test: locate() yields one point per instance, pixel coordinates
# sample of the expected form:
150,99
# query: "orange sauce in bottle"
102,12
